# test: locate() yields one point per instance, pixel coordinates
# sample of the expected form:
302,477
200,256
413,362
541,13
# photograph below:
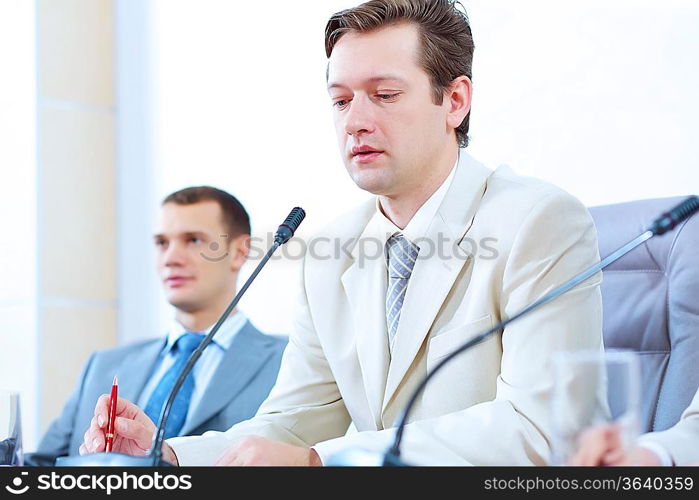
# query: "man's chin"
372,182
181,302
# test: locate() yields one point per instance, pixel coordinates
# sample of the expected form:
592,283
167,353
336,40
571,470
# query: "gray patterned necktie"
400,255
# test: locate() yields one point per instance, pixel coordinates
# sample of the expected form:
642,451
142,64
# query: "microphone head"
287,229
669,220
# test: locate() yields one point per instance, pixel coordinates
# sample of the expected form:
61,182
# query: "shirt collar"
417,226
223,338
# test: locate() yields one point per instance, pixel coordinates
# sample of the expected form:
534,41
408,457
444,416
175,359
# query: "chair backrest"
651,304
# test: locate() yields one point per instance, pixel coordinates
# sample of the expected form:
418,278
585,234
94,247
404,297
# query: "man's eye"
194,239
387,97
341,104
160,243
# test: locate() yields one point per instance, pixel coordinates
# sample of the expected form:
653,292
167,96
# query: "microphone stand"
667,222
154,458
159,435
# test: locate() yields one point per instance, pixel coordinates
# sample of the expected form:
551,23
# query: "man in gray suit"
202,242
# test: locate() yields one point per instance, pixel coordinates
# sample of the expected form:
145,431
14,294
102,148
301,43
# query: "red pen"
112,415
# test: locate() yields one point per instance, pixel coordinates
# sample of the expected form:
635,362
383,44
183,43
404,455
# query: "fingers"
94,438
169,454
592,445
98,445
124,408
135,430
614,438
599,445
614,457
614,452
224,459
640,456
140,416
102,410
131,425
229,457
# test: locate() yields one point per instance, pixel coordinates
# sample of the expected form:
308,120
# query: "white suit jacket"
491,405
681,441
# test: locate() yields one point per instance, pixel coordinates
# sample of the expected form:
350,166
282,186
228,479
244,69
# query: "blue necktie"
184,346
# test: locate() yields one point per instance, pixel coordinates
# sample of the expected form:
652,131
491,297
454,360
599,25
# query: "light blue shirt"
204,368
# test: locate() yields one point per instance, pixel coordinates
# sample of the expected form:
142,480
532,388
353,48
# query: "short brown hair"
446,42
235,218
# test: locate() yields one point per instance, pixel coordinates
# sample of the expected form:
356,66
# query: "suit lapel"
432,278
135,371
242,360
365,284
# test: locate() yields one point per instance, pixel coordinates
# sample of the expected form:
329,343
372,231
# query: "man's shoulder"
118,353
520,195
278,342
350,223
272,340
108,360
515,184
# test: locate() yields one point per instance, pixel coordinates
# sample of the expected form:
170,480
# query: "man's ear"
458,98
239,249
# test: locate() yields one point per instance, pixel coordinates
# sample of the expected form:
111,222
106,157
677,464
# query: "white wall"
596,96
139,297
18,256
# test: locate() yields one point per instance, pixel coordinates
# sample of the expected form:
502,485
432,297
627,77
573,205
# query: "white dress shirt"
419,224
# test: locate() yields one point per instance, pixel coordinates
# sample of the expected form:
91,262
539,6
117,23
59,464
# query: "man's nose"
174,255
359,118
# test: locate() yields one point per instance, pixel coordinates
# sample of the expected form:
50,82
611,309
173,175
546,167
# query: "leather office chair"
651,304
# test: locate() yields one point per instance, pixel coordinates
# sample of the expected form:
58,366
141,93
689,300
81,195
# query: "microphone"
669,220
285,231
666,222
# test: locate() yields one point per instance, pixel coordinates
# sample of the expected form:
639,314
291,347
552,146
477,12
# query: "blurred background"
106,106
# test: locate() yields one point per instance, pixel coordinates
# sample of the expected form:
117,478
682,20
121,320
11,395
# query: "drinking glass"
10,430
592,388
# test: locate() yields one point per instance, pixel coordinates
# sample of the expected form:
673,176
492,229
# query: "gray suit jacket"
241,382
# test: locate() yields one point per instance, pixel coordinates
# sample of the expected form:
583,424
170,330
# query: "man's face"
197,260
388,127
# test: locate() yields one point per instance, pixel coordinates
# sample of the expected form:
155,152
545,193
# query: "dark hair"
235,218
446,43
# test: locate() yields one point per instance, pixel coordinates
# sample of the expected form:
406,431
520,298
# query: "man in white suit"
369,327
678,445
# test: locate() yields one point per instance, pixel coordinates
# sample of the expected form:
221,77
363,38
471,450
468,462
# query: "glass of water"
10,430
592,388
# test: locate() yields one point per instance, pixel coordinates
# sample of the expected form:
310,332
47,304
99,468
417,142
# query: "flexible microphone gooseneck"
284,233
666,222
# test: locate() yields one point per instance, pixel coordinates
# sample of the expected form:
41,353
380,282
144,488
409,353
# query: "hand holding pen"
132,430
